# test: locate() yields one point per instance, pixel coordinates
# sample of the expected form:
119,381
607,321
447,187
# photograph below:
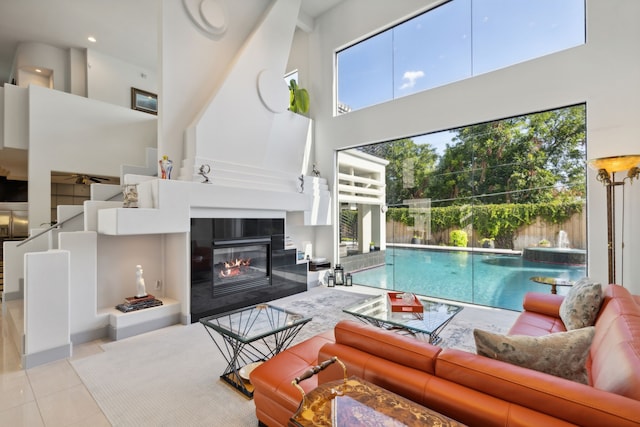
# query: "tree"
527,159
409,168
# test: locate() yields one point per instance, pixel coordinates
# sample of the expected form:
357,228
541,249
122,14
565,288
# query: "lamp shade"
615,163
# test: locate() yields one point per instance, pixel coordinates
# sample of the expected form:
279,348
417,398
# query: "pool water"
494,280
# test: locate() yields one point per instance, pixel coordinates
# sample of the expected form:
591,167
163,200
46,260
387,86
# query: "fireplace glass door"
240,264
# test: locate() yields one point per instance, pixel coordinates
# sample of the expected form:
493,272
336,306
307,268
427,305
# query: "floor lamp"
607,168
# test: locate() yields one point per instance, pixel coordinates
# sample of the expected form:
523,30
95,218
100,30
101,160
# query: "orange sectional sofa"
473,389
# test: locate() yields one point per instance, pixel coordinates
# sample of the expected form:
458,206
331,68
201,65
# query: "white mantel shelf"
166,206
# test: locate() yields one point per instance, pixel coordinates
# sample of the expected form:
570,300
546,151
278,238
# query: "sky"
437,140
457,40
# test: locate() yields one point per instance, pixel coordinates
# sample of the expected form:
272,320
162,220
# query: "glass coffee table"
250,336
429,322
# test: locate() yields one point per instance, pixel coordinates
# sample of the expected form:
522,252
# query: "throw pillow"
581,305
563,354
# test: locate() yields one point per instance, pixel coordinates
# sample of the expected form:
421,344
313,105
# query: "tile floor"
47,395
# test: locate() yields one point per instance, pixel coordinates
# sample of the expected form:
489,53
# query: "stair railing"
46,230
59,224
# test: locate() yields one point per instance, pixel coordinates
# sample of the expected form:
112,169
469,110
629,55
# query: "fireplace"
236,262
240,264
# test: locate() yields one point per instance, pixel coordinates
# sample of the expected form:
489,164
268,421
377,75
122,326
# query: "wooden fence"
527,236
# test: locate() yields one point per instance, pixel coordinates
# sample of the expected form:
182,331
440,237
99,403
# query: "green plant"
544,243
458,238
498,221
298,98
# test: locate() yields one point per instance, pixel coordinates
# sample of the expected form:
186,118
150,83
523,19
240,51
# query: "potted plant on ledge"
298,98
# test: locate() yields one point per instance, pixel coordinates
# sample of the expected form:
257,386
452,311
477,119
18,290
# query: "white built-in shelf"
131,221
124,325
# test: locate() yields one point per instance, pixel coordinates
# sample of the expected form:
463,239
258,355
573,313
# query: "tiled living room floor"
54,394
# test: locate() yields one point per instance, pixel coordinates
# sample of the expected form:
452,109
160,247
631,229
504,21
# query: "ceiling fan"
86,179
80,178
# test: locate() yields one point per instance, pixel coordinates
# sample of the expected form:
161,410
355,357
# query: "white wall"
604,73
46,278
70,133
16,107
85,72
189,76
110,79
78,71
40,55
83,259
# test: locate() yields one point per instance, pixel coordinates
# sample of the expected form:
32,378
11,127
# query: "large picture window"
471,214
454,41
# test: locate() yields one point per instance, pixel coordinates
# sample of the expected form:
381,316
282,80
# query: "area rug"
171,376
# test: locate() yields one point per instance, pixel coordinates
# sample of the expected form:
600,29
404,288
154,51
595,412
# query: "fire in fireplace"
234,268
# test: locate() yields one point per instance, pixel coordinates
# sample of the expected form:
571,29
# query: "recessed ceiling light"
38,70
91,39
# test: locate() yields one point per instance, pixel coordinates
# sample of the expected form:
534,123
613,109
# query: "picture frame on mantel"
142,100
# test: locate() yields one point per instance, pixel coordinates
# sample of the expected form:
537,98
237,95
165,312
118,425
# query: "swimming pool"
489,279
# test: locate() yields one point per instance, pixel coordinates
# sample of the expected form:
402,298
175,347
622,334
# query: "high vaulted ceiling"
125,29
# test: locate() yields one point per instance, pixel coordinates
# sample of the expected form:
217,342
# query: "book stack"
138,303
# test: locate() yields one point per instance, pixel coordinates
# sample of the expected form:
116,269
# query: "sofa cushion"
582,304
615,351
563,354
390,345
570,402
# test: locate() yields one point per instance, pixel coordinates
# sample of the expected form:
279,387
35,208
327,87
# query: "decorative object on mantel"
204,172
165,167
130,193
315,171
209,16
607,168
301,179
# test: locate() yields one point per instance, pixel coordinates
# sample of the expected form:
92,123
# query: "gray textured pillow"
562,354
582,304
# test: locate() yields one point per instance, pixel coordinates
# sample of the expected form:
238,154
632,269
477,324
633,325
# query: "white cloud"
410,78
